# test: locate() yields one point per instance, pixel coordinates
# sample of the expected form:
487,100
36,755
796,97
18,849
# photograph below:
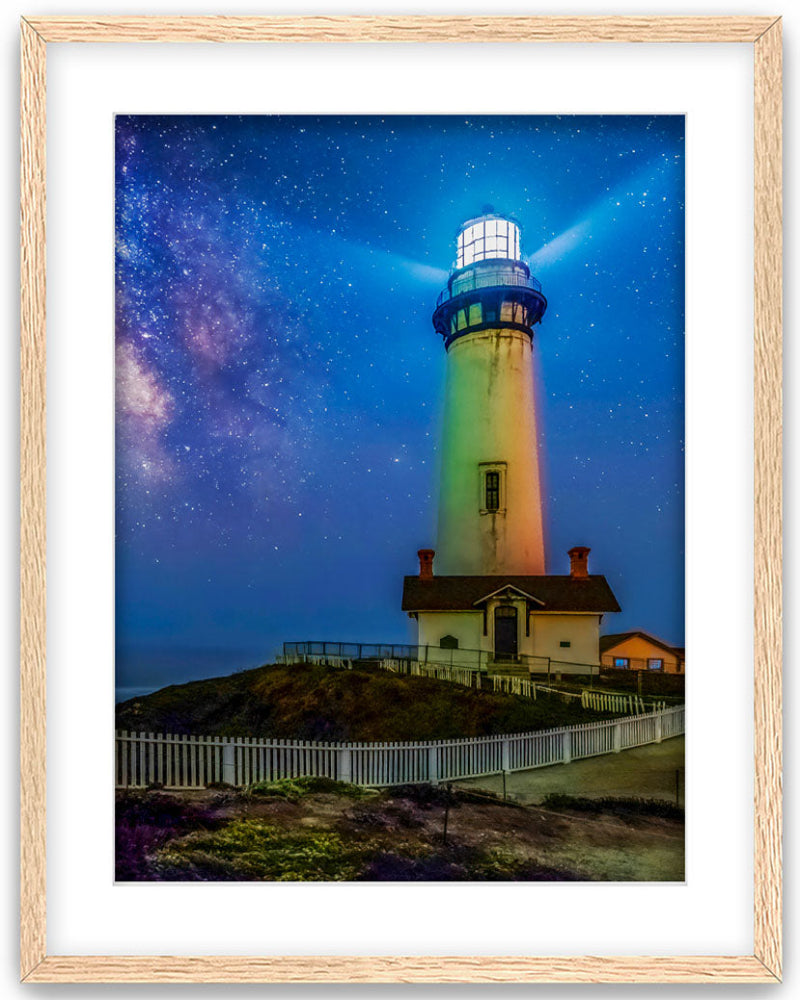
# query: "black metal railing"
468,659
496,279
353,650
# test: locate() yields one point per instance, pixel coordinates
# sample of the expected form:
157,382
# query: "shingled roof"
610,641
466,593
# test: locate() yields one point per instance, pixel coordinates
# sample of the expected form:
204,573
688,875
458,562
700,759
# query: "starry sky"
279,383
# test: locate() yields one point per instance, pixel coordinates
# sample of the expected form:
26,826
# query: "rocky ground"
309,831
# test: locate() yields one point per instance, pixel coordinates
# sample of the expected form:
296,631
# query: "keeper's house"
641,651
538,624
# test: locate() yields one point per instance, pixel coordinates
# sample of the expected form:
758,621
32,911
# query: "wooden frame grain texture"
764,965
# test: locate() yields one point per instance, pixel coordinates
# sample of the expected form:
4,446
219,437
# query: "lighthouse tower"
490,506
482,599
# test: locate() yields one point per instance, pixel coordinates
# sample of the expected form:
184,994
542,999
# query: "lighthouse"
490,503
482,598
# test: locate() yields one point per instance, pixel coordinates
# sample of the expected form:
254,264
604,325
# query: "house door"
505,633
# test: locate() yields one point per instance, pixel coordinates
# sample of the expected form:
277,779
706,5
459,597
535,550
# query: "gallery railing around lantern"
499,278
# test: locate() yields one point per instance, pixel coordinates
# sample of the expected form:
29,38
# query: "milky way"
279,383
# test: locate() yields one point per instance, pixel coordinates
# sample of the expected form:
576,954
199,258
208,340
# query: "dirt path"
647,772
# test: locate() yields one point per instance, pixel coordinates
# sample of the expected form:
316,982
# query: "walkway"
647,772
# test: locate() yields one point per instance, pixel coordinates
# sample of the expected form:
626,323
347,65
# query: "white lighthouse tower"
483,599
490,505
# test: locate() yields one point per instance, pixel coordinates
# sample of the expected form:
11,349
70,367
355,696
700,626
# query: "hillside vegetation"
320,703
313,829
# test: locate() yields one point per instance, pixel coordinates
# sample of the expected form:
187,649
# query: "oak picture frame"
764,964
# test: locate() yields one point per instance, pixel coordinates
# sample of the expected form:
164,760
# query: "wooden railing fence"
506,684
152,759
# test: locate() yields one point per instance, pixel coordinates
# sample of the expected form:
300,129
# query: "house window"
565,644
448,642
622,662
492,490
655,664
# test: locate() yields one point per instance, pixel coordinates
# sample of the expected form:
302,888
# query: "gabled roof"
608,642
553,593
504,589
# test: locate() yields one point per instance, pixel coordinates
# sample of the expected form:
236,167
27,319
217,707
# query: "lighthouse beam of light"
426,273
562,245
333,244
598,219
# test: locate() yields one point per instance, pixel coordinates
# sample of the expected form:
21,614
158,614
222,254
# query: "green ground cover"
307,702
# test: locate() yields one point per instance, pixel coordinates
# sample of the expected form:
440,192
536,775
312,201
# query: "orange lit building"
640,651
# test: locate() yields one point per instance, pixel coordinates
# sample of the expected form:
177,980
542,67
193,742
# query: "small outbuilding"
641,651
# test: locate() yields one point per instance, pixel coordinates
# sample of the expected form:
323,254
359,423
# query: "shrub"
425,796
253,850
145,821
293,789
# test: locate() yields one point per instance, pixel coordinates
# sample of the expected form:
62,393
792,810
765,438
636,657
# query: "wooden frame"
764,965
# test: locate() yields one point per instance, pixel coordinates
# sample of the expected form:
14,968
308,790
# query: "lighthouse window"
488,239
492,490
492,487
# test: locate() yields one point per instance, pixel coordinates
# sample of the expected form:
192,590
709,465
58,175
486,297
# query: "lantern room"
491,286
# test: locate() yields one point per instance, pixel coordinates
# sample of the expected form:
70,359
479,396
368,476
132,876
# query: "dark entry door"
505,633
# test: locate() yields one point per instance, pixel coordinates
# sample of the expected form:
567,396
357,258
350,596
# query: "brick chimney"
426,564
578,558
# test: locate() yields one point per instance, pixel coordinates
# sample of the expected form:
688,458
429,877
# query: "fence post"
566,750
658,728
433,765
229,763
617,737
344,765
506,755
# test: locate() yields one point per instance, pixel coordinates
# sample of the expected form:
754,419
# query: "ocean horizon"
140,670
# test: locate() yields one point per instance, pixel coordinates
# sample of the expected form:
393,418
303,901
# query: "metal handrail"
477,659
498,279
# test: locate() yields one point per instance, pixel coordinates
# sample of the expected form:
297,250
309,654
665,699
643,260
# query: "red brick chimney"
426,564
578,558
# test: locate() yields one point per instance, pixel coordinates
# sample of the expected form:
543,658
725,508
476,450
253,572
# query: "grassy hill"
319,703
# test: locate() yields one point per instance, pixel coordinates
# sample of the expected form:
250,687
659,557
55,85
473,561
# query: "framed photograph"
404,544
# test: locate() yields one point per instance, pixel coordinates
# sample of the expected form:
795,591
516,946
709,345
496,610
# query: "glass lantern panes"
488,239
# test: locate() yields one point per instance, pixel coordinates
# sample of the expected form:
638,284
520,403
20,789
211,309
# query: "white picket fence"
604,702
455,674
505,684
144,759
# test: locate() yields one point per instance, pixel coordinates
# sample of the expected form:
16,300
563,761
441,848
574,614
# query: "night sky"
279,383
